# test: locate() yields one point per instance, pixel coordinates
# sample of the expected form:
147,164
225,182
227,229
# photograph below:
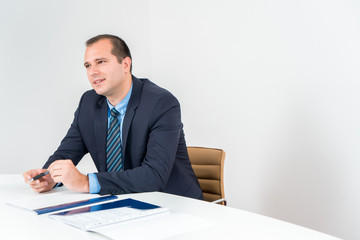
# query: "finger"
40,185
26,175
29,174
56,172
56,164
54,168
58,179
47,177
32,173
56,175
30,182
34,183
41,189
39,180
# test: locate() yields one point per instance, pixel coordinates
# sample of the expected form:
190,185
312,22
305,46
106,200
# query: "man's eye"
101,61
87,66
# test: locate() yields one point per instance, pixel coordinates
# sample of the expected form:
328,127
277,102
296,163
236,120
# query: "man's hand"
42,184
64,171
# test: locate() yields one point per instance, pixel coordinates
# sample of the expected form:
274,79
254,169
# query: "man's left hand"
64,171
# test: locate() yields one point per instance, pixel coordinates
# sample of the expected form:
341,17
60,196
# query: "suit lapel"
130,110
100,126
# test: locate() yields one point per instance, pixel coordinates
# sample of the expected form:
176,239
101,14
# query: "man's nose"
93,71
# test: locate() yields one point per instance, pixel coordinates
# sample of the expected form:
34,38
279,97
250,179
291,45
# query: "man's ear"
126,62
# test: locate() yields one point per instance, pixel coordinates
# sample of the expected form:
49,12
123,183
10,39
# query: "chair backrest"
208,165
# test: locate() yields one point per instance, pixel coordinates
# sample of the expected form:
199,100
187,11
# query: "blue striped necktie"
114,161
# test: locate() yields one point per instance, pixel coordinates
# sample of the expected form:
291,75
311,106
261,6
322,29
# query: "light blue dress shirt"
94,186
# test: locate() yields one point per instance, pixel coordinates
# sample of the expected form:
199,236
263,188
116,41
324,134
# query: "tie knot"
114,113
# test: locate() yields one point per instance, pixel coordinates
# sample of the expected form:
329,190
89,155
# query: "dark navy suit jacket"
154,148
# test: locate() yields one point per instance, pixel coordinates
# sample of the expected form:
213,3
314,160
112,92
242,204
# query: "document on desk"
88,218
47,203
161,226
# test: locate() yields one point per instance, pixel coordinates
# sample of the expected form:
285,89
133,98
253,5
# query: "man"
131,128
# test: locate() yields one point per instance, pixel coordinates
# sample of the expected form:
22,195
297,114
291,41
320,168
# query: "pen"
39,176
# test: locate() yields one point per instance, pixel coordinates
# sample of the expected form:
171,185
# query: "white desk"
227,223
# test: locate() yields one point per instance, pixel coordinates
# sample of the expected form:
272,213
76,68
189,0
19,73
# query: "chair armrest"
222,201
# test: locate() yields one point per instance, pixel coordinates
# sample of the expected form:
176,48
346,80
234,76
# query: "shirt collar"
121,106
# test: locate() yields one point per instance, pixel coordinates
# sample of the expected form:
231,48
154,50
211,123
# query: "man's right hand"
42,184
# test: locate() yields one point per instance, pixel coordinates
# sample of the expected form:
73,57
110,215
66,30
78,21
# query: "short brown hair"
120,49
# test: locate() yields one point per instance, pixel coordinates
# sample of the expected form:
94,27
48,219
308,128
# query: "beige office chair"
208,165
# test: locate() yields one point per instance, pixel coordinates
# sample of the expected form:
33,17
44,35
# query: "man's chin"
99,92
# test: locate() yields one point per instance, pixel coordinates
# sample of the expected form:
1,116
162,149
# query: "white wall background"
42,73
273,83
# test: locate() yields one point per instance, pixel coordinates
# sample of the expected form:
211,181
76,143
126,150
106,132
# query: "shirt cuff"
94,185
58,185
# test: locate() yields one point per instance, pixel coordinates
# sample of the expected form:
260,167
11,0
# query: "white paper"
91,220
49,199
160,226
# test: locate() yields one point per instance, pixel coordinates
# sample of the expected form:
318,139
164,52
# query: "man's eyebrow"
102,58
96,59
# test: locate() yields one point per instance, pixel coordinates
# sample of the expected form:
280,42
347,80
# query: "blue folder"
73,204
128,202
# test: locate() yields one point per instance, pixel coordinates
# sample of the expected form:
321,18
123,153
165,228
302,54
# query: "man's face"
106,75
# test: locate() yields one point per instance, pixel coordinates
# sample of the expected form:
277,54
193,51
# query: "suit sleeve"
164,131
72,146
